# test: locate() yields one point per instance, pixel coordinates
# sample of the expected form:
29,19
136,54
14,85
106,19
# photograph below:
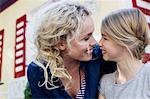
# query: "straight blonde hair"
128,28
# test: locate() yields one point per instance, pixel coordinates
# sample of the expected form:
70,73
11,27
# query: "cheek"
115,52
109,49
79,47
77,50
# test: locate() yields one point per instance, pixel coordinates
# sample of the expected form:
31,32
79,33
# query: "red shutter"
20,52
1,50
144,9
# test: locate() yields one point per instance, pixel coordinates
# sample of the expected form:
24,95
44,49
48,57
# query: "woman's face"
110,50
82,46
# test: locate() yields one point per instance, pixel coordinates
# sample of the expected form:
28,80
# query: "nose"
93,41
100,42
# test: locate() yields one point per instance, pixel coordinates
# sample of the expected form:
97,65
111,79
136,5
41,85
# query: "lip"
103,51
90,51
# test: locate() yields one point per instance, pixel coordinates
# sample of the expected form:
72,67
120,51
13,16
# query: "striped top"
81,92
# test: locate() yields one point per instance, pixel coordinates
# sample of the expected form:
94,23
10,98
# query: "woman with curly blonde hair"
68,61
125,34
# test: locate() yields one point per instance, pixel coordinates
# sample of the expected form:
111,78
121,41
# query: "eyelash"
86,38
104,38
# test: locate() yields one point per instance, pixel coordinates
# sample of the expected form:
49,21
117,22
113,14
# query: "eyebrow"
87,34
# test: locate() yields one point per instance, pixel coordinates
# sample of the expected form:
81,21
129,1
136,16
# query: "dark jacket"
92,68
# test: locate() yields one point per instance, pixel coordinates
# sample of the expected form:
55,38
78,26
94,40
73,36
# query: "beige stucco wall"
7,22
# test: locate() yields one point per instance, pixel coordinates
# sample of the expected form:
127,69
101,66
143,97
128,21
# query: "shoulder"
146,68
34,67
147,65
34,71
106,81
145,74
108,78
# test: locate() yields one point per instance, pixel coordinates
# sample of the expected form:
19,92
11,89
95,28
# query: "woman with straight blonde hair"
125,34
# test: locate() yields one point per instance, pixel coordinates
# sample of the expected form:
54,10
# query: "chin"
106,58
87,59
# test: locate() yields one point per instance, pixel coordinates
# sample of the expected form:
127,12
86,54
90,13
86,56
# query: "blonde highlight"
63,21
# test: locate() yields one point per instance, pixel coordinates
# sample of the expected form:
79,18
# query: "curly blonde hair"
62,21
128,28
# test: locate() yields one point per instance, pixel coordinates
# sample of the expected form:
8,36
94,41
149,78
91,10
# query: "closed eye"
86,38
104,37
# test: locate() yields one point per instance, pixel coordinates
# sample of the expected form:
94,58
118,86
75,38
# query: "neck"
127,70
71,65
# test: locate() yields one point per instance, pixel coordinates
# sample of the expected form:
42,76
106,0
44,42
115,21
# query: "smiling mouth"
103,51
90,51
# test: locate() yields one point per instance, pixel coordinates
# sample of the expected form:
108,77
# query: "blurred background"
17,36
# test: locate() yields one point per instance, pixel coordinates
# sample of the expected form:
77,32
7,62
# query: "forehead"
88,26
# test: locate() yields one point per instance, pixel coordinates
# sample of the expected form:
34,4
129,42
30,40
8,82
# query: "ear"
62,45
